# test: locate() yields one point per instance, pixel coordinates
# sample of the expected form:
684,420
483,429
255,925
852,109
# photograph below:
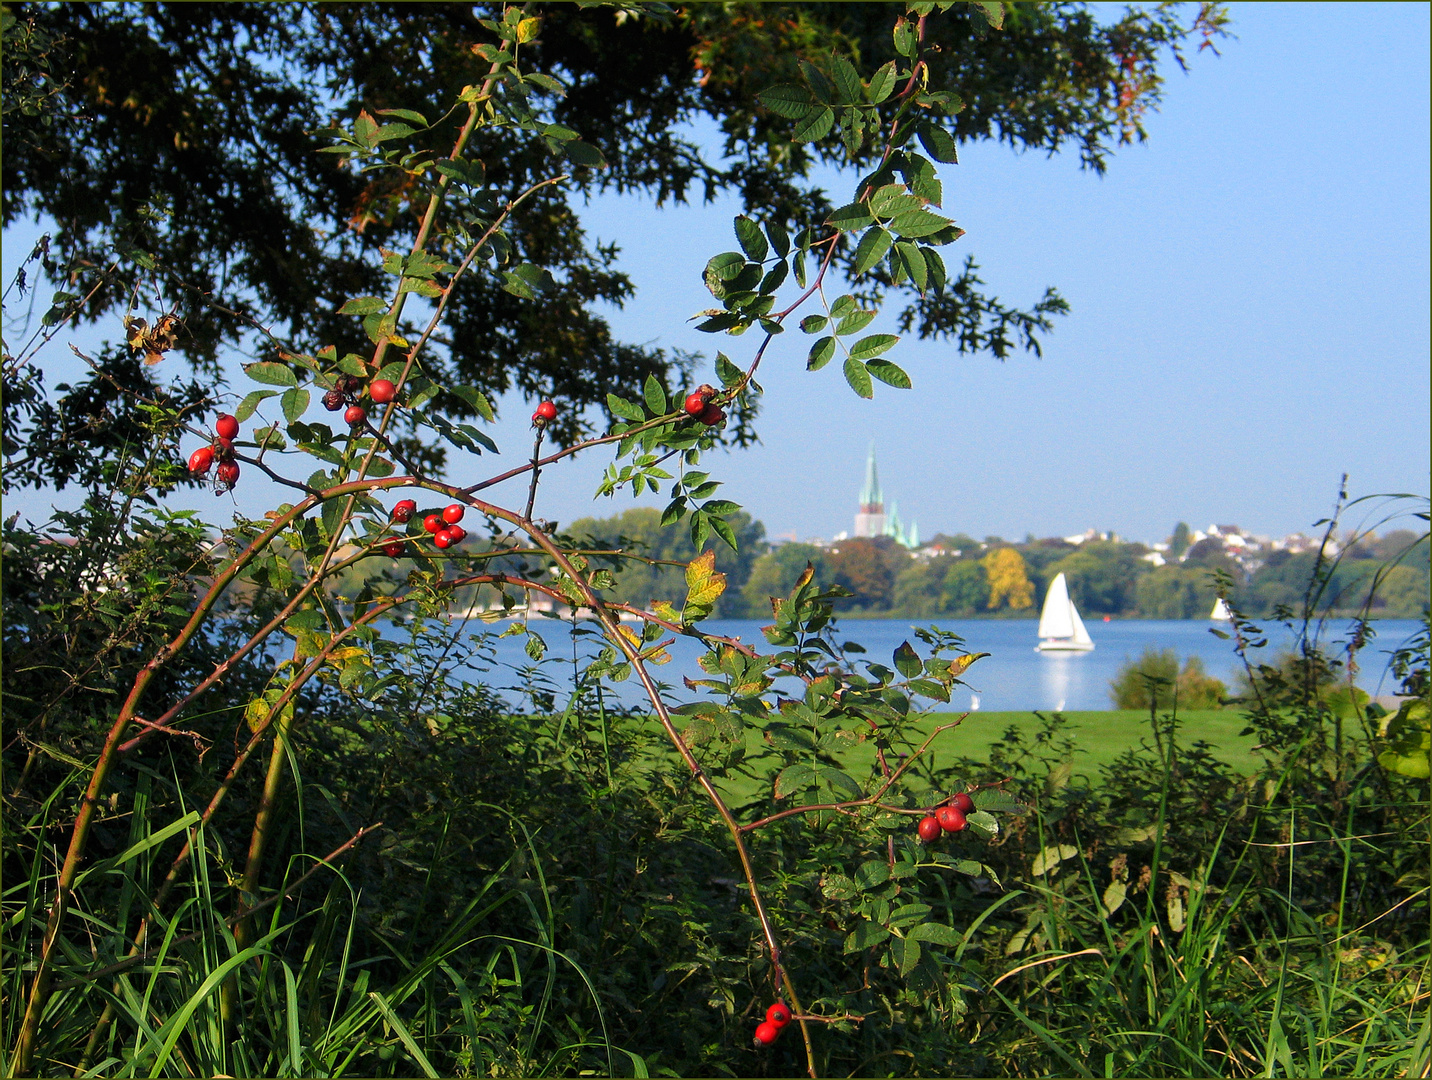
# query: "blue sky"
1250,316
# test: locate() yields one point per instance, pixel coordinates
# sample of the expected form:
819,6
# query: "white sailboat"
1220,611
1060,628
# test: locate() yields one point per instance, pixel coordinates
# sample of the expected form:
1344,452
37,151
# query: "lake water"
1014,677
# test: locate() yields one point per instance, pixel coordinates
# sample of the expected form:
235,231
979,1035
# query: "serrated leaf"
872,874
858,377
722,528
813,324
873,246
938,142
913,261
584,154
625,409
794,778
1051,857
727,372
850,218
888,373
881,84
274,374
854,322
910,956
752,241
865,935
916,223
841,783
654,396
294,403
814,127
937,933
780,240
820,353
873,345
792,102
364,305
907,661
847,82
251,402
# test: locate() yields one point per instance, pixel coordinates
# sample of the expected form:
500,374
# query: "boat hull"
1064,646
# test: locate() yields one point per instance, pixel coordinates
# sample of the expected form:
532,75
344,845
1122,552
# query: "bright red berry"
711,415
456,533
778,1014
393,548
453,514
766,1033
355,415
546,410
695,404
963,803
226,447
405,510
382,391
226,427
200,460
432,523
950,819
442,538
228,473
929,829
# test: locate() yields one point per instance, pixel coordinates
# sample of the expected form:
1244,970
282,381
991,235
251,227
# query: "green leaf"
993,12
873,345
477,400
854,322
913,260
891,199
866,935
841,783
872,874
364,305
916,223
907,661
794,778
820,353
655,396
906,43
881,84
873,246
251,402
727,372
938,142
850,218
753,243
937,933
858,377
273,374
295,403
888,373
813,324
780,241
625,409
585,154
722,528
814,127
405,114
847,82
792,102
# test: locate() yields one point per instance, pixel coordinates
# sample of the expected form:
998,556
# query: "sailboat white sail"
1220,611
1060,628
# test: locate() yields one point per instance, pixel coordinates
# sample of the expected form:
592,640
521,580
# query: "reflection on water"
1014,677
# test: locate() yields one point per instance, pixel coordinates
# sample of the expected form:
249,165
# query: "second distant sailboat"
1060,628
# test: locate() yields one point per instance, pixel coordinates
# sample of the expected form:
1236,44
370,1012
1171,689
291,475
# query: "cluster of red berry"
699,406
947,818
777,1017
226,430
380,392
444,527
545,413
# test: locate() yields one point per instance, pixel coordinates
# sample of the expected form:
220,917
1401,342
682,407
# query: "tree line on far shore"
1007,579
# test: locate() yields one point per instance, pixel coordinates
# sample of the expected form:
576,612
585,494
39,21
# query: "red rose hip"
766,1033
393,548
355,415
200,460
382,391
453,514
778,1014
405,510
443,539
963,803
695,404
456,534
950,819
228,473
226,427
929,829
546,410
432,523
711,415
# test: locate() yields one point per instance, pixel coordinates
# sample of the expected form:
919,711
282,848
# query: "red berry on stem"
453,514
226,427
355,415
432,523
950,819
404,510
228,473
546,410
200,460
711,415
766,1033
382,391
456,533
226,446
963,803
778,1014
929,829
442,538
393,548
695,404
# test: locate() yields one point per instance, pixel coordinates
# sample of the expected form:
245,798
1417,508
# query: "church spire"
871,501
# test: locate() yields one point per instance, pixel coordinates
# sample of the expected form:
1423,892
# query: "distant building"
871,519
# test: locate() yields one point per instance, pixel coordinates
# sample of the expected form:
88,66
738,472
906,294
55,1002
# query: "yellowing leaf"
698,570
960,664
348,652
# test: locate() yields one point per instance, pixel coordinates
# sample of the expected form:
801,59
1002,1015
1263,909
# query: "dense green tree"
965,589
188,129
919,585
776,572
1178,543
1154,678
1101,575
1174,592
